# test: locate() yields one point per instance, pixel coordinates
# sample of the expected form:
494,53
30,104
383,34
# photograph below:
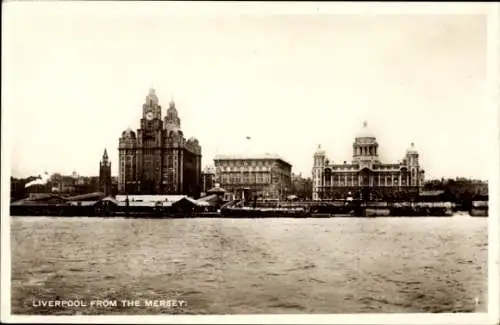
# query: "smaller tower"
172,120
317,172
413,166
105,174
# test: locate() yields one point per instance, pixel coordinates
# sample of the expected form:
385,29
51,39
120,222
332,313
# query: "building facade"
301,187
266,176
157,159
207,179
105,174
366,177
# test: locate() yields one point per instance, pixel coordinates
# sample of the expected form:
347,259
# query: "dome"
128,133
193,140
176,132
365,132
411,149
319,151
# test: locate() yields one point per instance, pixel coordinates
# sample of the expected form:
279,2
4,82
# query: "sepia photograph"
250,162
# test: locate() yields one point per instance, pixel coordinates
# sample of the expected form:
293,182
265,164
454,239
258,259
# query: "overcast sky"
74,82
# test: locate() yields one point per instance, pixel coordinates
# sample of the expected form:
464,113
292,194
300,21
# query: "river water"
249,266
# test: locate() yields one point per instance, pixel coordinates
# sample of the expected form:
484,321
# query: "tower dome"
365,132
412,149
128,133
171,106
319,151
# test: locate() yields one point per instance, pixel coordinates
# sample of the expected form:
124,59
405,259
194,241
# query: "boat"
479,209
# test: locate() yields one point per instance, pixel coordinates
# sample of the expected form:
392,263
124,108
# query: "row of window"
242,169
364,183
248,163
123,159
317,162
374,182
365,150
170,166
236,179
356,175
395,168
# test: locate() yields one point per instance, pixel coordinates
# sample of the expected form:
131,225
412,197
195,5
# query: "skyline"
287,82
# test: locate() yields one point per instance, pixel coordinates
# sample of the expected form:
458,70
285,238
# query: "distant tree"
460,190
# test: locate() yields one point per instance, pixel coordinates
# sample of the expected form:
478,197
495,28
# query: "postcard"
250,162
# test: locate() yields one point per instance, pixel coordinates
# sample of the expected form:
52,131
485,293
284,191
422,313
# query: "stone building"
301,187
105,174
265,176
207,179
366,177
157,159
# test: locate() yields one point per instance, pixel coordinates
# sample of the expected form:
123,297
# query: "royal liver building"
366,177
157,159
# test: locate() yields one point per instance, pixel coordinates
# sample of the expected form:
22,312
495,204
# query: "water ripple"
343,265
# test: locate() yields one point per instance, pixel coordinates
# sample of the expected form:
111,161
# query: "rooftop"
263,156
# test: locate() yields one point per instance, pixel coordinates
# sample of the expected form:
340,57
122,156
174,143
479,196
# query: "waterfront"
230,266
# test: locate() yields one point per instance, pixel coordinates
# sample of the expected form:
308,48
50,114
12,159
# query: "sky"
73,80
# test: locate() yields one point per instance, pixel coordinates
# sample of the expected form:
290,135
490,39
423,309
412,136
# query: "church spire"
105,158
105,174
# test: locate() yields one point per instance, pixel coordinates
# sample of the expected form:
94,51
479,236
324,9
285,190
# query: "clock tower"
105,174
151,112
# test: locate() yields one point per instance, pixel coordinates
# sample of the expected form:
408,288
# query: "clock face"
149,116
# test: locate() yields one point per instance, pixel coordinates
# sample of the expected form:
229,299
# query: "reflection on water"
227,266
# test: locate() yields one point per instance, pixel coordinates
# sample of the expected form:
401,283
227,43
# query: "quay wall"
370,209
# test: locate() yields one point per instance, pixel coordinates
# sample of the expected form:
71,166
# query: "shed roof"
149,198
208,198
431,193
217,189
43,197
96,196
110,199
144,203
83,203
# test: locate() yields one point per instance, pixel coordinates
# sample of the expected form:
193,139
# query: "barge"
479,209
